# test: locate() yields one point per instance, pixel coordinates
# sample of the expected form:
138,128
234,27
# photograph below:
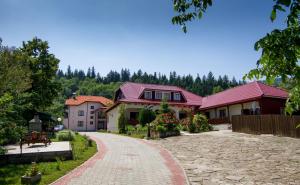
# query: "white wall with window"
82,117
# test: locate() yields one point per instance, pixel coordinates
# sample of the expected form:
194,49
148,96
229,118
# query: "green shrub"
200,124
32,171
2,150
122,119
161,128
146,115
65,136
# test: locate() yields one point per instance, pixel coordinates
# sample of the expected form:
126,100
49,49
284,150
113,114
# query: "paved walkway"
225,157
124,160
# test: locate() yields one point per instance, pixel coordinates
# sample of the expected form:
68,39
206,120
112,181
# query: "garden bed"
11,174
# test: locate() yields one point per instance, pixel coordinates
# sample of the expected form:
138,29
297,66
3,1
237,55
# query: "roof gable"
82,99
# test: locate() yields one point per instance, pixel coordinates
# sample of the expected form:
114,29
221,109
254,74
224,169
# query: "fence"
267,124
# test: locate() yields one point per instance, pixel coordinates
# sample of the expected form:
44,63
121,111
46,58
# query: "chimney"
74,95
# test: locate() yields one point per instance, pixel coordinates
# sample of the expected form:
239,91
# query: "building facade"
136,96
250,99
89,113
86,113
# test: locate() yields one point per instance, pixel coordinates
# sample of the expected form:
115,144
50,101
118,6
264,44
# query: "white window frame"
177,96
158,95
80,111
148,95
80,124
168,97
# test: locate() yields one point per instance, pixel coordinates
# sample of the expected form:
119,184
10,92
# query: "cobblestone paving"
126,161
224,157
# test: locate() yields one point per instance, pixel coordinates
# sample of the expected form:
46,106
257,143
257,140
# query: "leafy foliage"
43,66
65,135
146,115
200,124
166,120
122,120
33,170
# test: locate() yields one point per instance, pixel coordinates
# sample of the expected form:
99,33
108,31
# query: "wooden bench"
35,137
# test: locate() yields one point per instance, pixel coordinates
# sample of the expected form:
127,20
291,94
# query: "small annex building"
250,99
86,113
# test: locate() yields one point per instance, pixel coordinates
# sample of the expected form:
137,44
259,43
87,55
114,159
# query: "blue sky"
138,34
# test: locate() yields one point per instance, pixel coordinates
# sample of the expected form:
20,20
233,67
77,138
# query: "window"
92,117
92,112
80,124
66,115
158,95
177,96
80,113
92,107
207,114
148,94
133,115
167,95
91,122
222,113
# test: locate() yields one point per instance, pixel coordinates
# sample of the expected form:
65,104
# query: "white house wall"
113,114
72,121
235,109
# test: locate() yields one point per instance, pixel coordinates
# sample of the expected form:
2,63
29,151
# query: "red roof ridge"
259,88
152,84
88,98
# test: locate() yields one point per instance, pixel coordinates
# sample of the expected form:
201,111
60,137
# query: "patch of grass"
11,174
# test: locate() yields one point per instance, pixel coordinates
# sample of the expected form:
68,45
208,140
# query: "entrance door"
102,124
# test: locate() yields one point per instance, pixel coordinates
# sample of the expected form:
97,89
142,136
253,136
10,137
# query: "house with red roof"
86,113
89,113
137,95
249,99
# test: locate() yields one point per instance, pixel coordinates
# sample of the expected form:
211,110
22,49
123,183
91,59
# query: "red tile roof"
132,92
243,93
82,99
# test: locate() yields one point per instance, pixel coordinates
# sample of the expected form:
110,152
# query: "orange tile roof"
82,99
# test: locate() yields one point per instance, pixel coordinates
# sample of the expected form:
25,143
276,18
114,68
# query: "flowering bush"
166,120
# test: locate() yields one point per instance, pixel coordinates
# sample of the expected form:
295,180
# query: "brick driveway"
123,160
225,157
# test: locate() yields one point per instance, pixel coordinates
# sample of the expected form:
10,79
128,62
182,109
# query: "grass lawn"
11,174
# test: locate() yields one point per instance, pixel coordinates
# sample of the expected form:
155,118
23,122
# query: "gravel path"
124,160
224,157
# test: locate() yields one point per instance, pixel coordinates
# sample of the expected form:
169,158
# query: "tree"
164,107
14,81
217,89
280,49
146,115
43,66
93,73
122,121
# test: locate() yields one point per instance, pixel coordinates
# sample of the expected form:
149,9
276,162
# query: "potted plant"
32,175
